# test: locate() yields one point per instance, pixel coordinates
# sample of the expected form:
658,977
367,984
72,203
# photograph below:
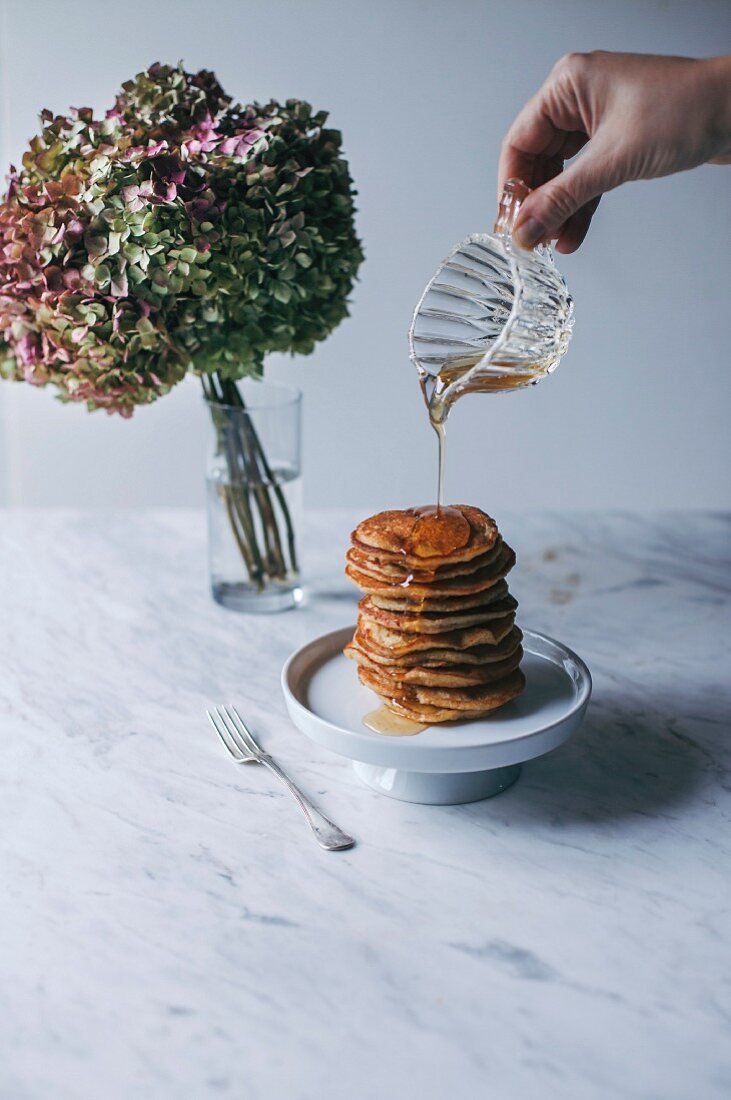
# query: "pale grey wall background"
423,90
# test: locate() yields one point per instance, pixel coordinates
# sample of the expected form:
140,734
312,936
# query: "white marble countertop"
169,928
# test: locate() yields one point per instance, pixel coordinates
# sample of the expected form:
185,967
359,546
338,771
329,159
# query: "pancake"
454,676
445,603
399,642
399,571
446,705
441,658
452,586
476,697
435,622
422,536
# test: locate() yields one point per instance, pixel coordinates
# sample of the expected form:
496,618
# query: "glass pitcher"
494,317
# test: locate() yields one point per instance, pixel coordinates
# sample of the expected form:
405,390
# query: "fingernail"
529,233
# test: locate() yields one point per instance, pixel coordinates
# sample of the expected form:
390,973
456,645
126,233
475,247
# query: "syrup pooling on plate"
383,720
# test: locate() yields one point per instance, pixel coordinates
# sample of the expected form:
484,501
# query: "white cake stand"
446,764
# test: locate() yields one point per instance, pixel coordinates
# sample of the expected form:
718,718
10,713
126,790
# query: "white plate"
451,763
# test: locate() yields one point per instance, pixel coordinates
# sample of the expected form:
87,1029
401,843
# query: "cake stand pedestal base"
437,788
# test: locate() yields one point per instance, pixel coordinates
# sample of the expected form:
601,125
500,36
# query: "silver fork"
236,736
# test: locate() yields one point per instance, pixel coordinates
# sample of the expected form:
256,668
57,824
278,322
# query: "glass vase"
254,497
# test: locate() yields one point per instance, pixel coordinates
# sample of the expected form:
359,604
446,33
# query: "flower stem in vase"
270,480
251,483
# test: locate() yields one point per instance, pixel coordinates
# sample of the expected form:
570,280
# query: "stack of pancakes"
436,637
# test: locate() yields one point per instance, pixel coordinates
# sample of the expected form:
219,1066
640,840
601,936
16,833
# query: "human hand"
640,116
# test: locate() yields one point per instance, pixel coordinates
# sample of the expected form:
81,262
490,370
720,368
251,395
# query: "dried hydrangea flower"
177,233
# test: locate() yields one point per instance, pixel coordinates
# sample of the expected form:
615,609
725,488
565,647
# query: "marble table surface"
169,928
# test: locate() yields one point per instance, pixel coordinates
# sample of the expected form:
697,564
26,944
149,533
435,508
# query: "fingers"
523,150
547,211
572,233
639,116
549,125
551,129
535,165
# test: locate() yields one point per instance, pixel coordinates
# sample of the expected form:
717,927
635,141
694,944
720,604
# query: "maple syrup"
438,531
383,720
440,427
434,387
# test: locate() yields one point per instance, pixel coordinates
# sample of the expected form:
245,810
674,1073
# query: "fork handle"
327,834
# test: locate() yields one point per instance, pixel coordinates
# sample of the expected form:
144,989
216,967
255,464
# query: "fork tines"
234,733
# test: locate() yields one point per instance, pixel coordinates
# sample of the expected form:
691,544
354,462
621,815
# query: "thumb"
550,206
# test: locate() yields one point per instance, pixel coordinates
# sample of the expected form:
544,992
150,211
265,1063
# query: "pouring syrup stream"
441,430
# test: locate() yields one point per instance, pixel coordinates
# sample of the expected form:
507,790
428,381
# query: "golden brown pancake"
399,572
467,703
399,642
452,586
446,603
435,622
426,536
454,676
440,658
475,697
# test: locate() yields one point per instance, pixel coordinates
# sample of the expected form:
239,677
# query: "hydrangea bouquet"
180,233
